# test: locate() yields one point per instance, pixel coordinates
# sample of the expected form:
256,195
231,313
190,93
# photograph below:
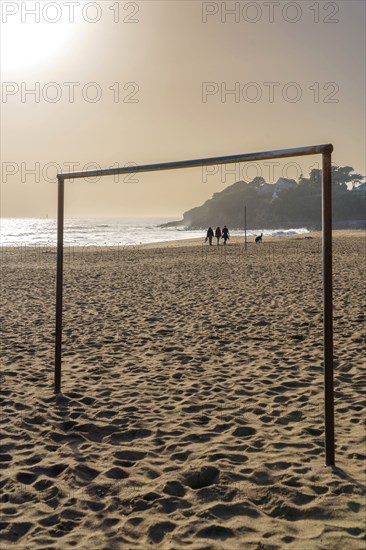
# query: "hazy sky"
110,82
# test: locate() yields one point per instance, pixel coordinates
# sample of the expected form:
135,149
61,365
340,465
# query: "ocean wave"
114,232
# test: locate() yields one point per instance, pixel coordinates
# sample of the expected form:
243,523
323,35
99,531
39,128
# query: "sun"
30,40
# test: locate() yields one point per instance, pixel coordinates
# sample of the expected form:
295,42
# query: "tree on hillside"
257,182
341,177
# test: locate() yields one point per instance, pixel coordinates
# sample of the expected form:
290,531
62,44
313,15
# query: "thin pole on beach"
245,227
328,307
59,282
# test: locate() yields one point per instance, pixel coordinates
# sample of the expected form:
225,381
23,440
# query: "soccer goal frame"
326,152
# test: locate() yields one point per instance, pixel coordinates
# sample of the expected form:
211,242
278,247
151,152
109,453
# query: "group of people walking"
224,234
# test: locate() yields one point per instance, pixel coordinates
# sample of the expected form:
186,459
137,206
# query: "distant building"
361,187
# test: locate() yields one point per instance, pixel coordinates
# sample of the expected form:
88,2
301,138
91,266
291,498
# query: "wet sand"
191,413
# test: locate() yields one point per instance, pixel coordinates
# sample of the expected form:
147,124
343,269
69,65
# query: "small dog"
259,238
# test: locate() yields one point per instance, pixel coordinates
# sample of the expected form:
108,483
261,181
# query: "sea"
107,232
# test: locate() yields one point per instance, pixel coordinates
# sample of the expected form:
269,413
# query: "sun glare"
27,43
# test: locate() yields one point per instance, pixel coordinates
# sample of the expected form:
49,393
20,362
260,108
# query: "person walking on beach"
209,235
225,234
218,235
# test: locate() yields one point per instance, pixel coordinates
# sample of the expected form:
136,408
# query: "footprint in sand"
202,477
157,532
244,431
215,532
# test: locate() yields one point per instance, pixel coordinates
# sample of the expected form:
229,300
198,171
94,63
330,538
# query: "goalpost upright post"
326,152
328,307
59,280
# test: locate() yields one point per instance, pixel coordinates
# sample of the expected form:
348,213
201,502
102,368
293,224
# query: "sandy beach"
191,413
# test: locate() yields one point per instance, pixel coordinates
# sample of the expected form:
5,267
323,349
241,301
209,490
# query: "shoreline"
199,241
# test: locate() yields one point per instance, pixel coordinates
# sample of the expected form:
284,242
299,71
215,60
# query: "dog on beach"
259,238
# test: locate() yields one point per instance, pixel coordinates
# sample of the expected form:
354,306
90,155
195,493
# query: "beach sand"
191,413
